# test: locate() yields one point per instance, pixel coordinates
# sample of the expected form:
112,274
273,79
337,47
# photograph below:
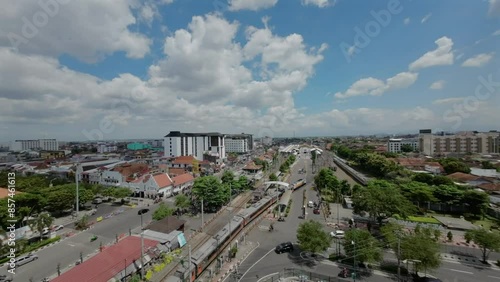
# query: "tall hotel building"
195,144
466,142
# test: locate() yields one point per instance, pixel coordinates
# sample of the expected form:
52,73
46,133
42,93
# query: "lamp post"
355,266
141,212
77,179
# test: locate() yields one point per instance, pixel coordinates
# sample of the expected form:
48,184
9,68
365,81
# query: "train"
215,246
299,183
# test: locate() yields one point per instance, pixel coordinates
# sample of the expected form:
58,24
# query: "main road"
68,251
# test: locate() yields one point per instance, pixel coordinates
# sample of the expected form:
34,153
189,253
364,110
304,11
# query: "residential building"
195,144
39,144
155,143
238,143
463,143
182,183
395,145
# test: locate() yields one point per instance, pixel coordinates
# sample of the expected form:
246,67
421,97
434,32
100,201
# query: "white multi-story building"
238,143
394,145
195,144
105,148
40,144
465,142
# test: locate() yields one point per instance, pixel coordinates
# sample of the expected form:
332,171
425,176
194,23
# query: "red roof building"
108,263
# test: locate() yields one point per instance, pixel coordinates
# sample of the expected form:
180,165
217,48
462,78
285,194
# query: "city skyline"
267,68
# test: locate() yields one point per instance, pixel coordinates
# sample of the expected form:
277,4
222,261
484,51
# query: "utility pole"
189,261
355,266
399,256
230,192
77,179
202,218
141,212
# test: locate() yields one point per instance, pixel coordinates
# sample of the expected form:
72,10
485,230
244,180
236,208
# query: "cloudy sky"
117,69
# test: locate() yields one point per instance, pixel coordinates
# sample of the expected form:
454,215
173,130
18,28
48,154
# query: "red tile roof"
252,166
462,177
490,187
183,178
189,160
162,179
108,263
128,169
176,171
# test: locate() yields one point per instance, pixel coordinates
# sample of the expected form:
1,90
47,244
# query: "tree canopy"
312,237
452,165
162,211
381,199
360,244
212,191
488,241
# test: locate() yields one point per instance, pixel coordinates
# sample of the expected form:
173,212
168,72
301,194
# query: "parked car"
310,204
25,259
316,211
59,227
339,234
284,247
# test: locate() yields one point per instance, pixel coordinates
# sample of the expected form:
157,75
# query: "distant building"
195,144
238,143
267,141
466,142
40,144
106,148
52,154
395,145
138,146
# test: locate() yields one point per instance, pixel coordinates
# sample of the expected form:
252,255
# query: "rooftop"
166,225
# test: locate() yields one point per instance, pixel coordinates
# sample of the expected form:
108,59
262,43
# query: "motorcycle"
344,273
93,238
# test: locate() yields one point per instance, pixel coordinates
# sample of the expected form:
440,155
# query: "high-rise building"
464,142
238,143
40,144
195,144
268,141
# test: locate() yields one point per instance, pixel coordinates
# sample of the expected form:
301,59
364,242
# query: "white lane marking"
269,275
496,277
271,250
71,245
461,271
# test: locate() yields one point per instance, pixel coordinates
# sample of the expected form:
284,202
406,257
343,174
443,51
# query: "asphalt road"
67,252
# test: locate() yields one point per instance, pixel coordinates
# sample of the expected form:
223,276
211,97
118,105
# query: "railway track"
201,238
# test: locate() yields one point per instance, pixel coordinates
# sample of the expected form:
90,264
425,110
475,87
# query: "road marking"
461,271
71,245
255,264
496,277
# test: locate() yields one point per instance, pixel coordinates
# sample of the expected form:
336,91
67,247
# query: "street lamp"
141,212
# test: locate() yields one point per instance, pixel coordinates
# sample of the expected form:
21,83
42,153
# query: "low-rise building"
182,183
396,145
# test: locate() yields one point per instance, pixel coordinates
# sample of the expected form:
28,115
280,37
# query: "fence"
294,274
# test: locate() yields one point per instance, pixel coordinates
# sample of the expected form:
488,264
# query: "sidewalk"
228,268
65,220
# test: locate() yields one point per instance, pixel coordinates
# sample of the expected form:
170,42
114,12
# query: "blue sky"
91,70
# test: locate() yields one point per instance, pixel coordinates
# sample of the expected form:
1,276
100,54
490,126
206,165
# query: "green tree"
406,148
82,223
418,192
421,245
487,165
313,157
312,237
116,192
423,178
227,177
476,202
452,165
42,221
182,202
488,241
448,194
273,177
211,190
381,199
359,243
162,211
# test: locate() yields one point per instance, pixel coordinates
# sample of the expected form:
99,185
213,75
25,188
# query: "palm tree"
42,221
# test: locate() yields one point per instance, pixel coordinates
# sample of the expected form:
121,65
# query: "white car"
339,234
59,227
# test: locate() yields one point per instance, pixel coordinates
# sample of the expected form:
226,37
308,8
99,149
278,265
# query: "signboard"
181,239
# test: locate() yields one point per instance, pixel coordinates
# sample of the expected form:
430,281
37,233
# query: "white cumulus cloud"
319,3
437,85
253,5
441,56
478,60
376,87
